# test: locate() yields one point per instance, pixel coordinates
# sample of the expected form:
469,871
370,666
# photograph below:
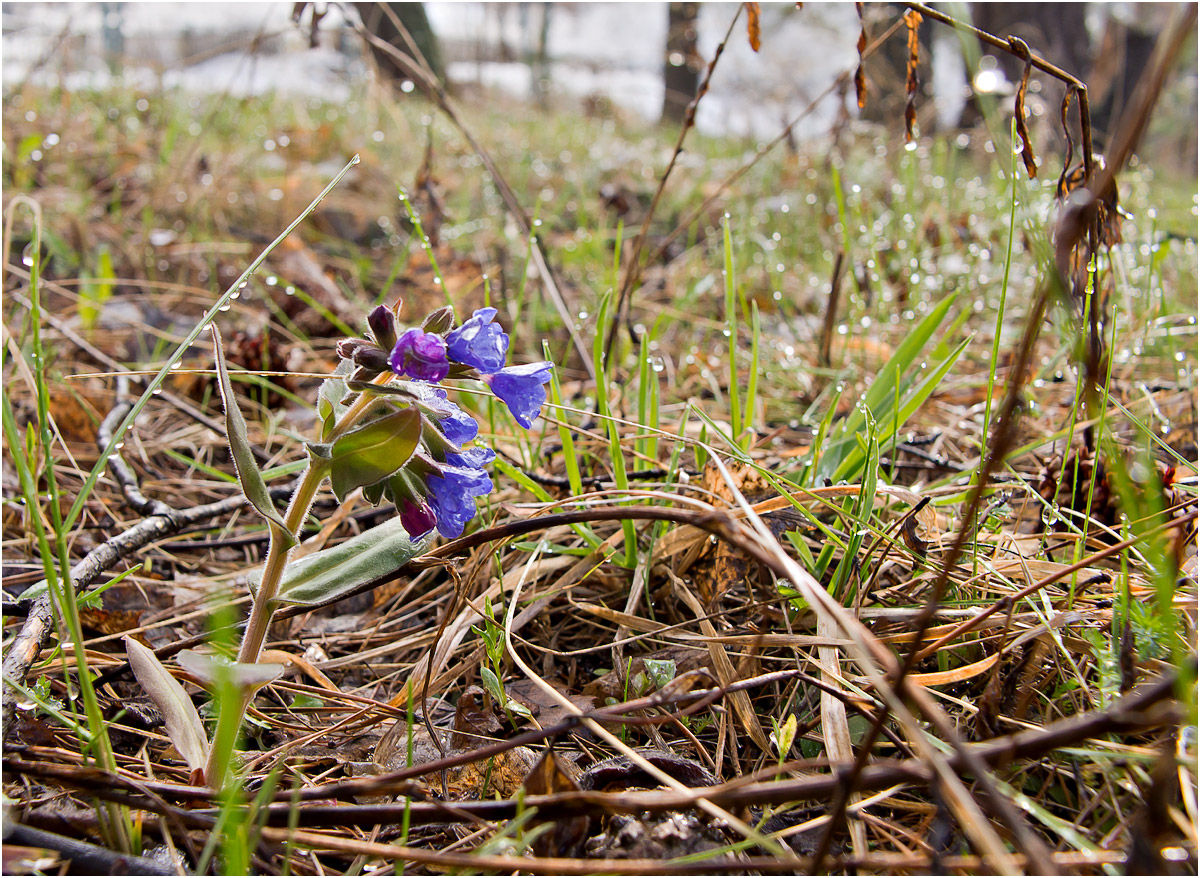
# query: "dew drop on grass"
156,391
177,365
224,307
271,280
290,290
1049,515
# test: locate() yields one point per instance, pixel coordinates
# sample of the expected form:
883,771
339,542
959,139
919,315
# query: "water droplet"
236,294
118,446
178,364
355,160
156,391
224,307
290,290
911,146
271,280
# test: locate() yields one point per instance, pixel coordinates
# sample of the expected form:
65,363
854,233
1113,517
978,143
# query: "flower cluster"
438,484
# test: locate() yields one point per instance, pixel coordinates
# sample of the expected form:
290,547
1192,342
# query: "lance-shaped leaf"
208,668
331,404
374,451
183,723
252,482
327,575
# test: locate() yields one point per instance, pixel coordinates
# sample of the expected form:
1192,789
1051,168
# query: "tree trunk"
681,61
412,17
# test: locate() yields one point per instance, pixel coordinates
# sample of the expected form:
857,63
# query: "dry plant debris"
744,602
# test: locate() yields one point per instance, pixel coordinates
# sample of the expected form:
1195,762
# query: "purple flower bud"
417,518
347,346
383,326
371,358
479,342
420,355
521,389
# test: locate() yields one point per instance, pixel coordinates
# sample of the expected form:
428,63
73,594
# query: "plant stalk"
263,606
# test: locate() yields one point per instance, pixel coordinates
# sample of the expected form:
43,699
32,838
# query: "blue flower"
479,342
456,425
453,492
521,389
473,458
420,355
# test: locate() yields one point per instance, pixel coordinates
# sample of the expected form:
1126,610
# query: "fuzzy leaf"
331,397
492,684
327,575
246,677
183,723
374,451
252,482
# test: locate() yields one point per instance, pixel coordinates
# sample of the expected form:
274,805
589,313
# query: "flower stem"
263,606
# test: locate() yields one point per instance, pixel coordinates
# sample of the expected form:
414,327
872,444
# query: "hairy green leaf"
331,573
374,451
331,398
252,482
246,677
183,723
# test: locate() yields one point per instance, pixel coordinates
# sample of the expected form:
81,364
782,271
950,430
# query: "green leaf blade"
329,574
374,451
254,486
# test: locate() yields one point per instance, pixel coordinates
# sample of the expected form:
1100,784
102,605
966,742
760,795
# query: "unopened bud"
371,358
347,347
383,326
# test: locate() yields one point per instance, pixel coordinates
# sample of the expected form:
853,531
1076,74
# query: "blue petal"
521,389
479,342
